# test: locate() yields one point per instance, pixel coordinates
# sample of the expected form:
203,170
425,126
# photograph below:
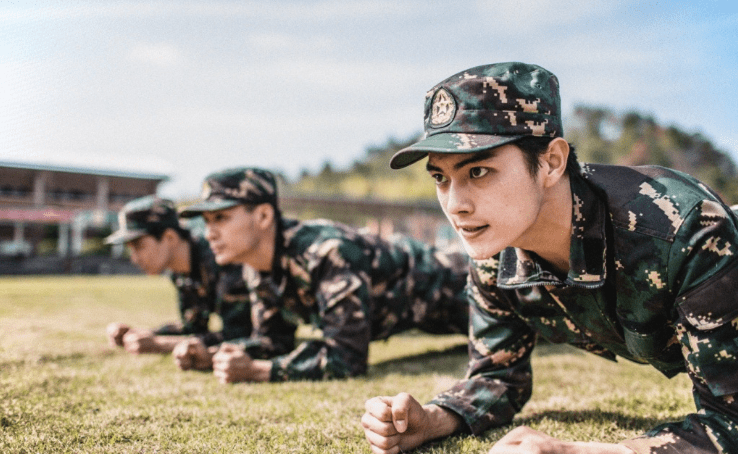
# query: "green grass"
62,389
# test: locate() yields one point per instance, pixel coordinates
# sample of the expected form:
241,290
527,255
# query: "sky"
188,88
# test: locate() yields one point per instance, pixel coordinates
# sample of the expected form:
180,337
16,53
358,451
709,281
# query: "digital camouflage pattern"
485,107
209,288
231,187
354,287
653,279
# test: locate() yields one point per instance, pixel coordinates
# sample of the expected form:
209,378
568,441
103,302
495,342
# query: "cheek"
442,199
145,256
156,259
227,234
232,237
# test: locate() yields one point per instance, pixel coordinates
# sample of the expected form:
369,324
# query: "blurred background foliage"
599,135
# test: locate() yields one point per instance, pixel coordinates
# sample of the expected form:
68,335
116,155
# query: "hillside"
598,134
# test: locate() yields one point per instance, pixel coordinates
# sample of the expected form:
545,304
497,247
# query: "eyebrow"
476,157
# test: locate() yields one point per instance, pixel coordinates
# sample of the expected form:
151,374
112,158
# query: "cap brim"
199,208
448,142
124,236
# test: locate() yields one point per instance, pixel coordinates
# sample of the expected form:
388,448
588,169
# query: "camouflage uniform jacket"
209,288
354,287
653,278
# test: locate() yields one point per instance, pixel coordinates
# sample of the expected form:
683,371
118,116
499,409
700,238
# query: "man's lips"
468,231
217,248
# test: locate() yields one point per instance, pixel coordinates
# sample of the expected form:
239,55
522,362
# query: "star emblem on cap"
443,108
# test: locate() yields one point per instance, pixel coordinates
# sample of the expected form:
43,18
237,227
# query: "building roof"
129,167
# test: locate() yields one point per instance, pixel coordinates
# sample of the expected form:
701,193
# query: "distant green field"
62,389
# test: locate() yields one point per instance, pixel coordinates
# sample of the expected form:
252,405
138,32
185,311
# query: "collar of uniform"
520,268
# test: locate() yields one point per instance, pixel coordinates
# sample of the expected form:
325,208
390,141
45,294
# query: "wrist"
261,370
581,447
441,422
165,343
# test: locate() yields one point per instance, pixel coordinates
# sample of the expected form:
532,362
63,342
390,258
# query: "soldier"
157,243
355,287
636,262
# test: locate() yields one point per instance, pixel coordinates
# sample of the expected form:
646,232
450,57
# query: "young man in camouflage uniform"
355,287
636,262
150,228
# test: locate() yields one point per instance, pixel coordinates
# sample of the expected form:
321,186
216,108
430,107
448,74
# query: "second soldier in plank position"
355,287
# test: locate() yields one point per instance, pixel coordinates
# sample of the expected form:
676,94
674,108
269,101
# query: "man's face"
149,254
233,234
491,199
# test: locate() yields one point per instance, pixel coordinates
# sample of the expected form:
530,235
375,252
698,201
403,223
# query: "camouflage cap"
141,217
231,187
485,107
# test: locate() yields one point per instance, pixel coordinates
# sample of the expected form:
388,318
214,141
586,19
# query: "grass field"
62,389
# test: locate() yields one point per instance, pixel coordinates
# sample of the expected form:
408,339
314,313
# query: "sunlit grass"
62,389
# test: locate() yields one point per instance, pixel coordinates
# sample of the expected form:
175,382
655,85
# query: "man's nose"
458,200
210,233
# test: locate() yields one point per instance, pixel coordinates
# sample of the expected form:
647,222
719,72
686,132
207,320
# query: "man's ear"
554,161
264,215
169,235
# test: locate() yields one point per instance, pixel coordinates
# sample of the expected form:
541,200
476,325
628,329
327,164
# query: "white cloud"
158,54
302,10
528,18
278,43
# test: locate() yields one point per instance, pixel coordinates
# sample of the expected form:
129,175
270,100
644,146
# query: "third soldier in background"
150,228
355,287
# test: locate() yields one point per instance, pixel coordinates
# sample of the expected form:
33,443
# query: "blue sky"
188,88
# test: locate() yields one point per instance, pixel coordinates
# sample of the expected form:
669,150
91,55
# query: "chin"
474,255
480,252
223,260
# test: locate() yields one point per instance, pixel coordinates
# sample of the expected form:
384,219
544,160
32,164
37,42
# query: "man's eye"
478,172
439,178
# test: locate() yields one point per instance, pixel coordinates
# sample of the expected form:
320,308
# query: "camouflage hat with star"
231,187
143,216
485,107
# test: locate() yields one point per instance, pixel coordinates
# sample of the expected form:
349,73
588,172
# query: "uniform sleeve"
341,290
272,334
498,381
704,260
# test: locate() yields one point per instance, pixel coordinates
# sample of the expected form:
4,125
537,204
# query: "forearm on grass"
165,344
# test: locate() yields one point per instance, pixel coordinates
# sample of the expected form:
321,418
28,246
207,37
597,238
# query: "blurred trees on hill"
599,135
636,139
371,177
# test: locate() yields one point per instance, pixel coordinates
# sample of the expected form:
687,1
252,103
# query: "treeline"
636,139
598,134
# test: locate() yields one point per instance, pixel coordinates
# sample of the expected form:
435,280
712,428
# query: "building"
54,216
66,202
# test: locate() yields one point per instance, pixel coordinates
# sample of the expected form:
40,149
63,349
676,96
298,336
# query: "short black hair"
533,147
158,232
